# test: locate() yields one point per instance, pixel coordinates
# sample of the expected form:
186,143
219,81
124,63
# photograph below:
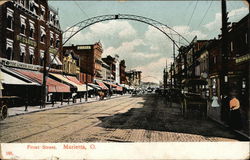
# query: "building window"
246,40
22,52
57,41
31,52
51,39
231,46
41,57
23,24
10,19
9,49
43,34
22,2
42,12
32,29
31,5
214,59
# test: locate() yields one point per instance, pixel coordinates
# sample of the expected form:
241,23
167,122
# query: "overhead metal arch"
173,35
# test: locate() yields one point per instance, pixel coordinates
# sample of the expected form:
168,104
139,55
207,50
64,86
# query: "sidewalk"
15,111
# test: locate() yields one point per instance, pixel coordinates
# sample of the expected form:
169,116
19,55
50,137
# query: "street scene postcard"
124,79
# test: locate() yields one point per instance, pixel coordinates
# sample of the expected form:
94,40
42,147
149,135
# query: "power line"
193,12
206,12
81,9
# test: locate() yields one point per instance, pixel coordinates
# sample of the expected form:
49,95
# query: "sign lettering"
26,41
243,58
83,47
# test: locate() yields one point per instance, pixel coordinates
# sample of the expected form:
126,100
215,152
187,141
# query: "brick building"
90,61
30,30
123,79
110,61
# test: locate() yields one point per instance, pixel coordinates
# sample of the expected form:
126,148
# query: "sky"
142,46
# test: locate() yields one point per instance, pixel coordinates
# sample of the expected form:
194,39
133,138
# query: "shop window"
32,29
22,52
10,19
43,34
9,49
23,25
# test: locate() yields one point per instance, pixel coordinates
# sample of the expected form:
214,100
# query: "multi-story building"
71,63
122,72
106,71
90,61
134,78
30,30
110,61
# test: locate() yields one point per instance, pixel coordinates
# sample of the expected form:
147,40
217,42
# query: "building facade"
134,78
30,30
90,61
122,72
71,63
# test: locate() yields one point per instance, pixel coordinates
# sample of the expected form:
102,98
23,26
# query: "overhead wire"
193,12
205,13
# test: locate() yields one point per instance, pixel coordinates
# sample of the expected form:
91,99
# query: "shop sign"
243,58
19,65
26,41
83,47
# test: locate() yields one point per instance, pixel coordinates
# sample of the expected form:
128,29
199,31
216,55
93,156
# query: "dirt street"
125,119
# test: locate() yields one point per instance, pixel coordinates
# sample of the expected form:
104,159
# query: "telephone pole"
224,59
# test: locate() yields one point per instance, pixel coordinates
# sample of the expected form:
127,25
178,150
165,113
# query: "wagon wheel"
3,112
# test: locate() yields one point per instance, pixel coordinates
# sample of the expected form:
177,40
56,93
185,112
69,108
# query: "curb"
227,126
63,106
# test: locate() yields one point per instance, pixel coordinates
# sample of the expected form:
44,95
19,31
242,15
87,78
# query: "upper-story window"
41,57
42,12
51,39
43,34
31,52
23,24
9,49
32,5
32,29
22,52
23,3
57,41
10,19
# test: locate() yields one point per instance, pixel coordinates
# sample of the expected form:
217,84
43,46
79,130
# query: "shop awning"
80,87
111,84
102,85
10,77
94,86
119,88
53,85
75,80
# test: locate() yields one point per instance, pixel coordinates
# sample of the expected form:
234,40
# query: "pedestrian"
235,116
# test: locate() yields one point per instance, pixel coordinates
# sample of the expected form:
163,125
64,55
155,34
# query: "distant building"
123,79
134,78
110,61
90,61
106,71
71,63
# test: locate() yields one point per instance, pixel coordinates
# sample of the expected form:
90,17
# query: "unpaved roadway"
146,118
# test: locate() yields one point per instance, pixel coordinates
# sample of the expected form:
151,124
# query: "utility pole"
224,59
44,88
174,63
